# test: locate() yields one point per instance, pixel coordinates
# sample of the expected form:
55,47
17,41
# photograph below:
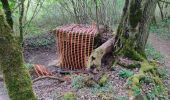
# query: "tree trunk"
133,30
21,10
8,13
16,76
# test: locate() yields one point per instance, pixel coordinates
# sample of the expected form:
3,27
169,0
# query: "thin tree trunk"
16,75
97,19
21,9
161,11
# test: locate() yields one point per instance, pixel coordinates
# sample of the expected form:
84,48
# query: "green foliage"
159,92
147,80
163,72
69,96
152,54
77,82
125,73
42,41
136,91
162,29
122,98
103,80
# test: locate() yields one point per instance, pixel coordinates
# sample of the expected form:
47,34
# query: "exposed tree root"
146,69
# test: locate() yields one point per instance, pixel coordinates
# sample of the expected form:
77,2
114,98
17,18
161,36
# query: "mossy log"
15,73
97,55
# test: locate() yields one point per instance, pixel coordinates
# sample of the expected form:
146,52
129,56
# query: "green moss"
16,75
135,13
103,80
131,53
69,96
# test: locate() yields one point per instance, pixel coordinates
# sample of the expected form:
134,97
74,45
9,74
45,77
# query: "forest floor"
161,45
53,90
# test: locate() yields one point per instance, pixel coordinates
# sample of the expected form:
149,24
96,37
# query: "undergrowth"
153,54
39,41
78,83
124,73
107,88
162,29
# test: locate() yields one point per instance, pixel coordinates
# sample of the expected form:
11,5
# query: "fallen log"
96,56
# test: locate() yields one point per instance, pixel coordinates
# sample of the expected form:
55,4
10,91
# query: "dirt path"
161,45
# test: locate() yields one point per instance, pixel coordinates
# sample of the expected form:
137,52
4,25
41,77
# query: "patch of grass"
124,73
69,96
162,29
152,54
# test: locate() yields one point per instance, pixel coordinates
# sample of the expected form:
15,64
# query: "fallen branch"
50,77
97,55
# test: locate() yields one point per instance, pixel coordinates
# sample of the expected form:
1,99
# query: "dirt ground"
53,90
161,45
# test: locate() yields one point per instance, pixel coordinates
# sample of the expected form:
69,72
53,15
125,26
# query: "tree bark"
133,30
95,59
8,13
16,75
21,10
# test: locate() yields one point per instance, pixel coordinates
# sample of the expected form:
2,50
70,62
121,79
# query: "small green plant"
163,72
107,88
125,73
77,82
103,80
136,91
159,92
147,80
69,96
